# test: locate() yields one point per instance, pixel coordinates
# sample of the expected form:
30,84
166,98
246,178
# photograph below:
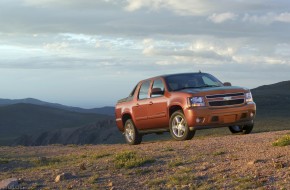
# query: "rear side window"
158,84
144,90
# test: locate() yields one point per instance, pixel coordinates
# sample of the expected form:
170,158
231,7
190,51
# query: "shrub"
4,161
129,159
283,141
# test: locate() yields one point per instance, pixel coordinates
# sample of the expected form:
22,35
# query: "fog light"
252,114
199,120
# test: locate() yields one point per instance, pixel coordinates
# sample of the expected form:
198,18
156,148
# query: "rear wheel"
179,129
244,129
131,134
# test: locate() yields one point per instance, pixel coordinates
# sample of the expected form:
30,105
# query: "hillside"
100,132
228,162
273,106
274,97
107,110
28,119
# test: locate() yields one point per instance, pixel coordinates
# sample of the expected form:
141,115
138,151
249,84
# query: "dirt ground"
225,162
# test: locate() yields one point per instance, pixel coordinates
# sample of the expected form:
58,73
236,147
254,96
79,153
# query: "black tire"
178,127
245,129
131,134
190,135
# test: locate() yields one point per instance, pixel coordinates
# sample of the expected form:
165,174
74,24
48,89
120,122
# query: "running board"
147,131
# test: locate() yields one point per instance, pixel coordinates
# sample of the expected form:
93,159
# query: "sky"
90,53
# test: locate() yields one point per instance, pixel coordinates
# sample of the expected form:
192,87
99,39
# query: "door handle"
150,103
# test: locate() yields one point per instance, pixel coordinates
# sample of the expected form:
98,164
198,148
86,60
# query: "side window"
158,84
143,93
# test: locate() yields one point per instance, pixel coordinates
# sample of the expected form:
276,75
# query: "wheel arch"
174,108
125,117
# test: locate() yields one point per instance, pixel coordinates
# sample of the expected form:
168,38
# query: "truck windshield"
133,91
191,80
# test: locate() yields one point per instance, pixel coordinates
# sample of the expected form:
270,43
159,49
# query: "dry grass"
211,163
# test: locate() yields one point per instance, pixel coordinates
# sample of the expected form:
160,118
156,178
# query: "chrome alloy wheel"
178,126
129,132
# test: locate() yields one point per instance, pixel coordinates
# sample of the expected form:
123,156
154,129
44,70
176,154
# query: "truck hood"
215,90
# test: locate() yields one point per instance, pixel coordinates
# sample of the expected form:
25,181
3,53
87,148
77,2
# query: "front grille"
226,102
225,95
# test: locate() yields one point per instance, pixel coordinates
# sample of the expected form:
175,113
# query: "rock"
20,180
254,162
63,176
10,183
110,184
181,167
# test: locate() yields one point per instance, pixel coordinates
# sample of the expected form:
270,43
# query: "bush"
130,159
283,141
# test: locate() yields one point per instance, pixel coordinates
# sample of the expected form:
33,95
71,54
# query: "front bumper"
207,117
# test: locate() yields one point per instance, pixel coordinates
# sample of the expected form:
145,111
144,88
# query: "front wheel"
131,134
244,129
179,129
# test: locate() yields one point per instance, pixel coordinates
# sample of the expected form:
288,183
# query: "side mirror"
157,91
227,84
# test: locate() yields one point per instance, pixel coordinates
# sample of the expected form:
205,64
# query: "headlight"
196,101
249,97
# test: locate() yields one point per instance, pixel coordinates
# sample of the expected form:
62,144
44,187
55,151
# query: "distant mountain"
108,110
273,106
280,88
29,119
100,132
273,97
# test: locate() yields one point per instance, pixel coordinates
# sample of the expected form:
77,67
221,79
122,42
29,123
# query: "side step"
148,131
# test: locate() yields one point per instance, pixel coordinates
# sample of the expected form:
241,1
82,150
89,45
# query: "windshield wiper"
205,86
185,88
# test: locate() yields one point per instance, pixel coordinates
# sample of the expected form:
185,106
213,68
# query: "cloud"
222,17
283,17
143,38
268,18
204,7
57,46
170,52
186,7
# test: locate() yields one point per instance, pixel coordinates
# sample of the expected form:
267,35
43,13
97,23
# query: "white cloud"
57,46
283,17
268,18
222,17
185,7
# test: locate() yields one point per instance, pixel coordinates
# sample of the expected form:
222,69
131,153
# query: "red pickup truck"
182,104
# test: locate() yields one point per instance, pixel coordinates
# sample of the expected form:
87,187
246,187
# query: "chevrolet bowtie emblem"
228,98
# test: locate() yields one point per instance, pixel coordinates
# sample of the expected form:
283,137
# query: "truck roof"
175,74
